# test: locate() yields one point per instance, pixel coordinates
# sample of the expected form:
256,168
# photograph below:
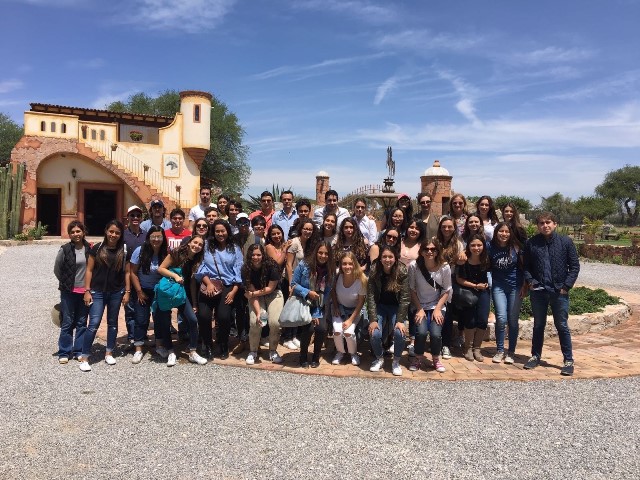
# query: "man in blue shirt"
284,218
157,211
551,268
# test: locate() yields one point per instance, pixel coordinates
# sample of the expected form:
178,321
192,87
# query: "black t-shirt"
273,273
472,273
387,297
105,277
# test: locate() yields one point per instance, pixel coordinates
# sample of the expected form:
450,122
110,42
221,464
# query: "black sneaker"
533,362
567,368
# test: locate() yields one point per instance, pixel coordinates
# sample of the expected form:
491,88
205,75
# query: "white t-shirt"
348,297
197,212
427,295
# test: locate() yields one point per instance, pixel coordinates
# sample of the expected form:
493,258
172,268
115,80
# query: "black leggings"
206,307
305,333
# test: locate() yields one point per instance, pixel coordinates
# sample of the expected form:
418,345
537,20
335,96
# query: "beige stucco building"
91,165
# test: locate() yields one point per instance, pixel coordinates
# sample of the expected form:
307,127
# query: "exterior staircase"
146,182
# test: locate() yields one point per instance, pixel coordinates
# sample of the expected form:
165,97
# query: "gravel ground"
189,421
606,275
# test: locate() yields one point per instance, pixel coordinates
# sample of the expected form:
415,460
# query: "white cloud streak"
188,16
10,85
386,86
552,55
365,11
465,104
426,41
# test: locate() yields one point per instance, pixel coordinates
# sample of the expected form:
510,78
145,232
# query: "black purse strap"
427,275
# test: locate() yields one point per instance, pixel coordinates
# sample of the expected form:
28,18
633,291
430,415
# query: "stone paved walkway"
614,352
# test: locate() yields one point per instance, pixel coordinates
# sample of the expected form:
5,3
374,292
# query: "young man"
367,226
266,208
551,268
233,209
429,219
288,215
134,236
211,214
205,202
331,206
157,212
177,232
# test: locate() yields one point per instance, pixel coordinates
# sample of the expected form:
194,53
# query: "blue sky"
519,98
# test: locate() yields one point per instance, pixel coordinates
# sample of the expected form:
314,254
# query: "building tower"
195,108
322,186
436,181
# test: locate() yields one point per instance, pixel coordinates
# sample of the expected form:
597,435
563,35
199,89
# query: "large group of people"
229,273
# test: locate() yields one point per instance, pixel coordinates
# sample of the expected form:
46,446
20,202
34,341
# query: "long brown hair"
393,285
102,257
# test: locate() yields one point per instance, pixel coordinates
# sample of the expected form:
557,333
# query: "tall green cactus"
10,200
16,201
5,189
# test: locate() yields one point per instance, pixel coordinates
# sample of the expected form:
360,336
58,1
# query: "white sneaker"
264,342
163,352
355,359
85,367
171,359
290,345
497,358
376,365
411,349
338,358
508,359
446,353
274,357
195,358
137,358
296,342
109,359
396,369
63,360
251,358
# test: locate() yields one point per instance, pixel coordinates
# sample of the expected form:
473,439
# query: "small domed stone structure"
436,181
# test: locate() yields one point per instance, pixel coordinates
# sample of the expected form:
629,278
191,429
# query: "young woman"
200,227
410,243
106,286
512,217
429,219
367,226
391,238
306,240
145,261
472,226
312,280
220,268
350,239
473,275
452,252
329,229
403,203
507,288
276,247
398,219
180,265
388,300
430,287
261,277
70,268
458,211
487,213
348,298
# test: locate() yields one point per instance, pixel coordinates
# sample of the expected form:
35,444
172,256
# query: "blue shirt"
504,266
133,241
280,218
226,267
147,280
146,225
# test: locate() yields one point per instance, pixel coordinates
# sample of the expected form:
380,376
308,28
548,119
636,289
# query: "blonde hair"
358,273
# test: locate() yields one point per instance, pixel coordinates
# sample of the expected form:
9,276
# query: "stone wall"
611,253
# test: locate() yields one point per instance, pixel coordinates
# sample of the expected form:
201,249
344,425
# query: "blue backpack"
168,293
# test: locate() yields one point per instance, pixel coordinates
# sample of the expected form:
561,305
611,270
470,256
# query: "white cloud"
466,93
105,99
366,11
425,40
386,86
552,55
190,16
623,83
304,71
7,86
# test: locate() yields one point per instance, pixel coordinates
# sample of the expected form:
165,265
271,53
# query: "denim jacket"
374,289
301,283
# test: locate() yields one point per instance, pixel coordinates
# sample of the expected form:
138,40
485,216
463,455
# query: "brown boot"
478,336
468,340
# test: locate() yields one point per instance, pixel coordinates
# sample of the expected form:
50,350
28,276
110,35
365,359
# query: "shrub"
581,300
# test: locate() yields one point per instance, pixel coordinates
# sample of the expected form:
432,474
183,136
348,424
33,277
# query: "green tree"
559,205
594,208
10,133
225,165
623,187
522,204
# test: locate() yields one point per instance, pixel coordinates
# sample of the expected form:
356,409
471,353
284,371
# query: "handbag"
217,283
463,297
168,293
295,313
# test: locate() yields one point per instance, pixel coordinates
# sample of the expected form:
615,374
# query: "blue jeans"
540,301
478,315
130,315
387,315
507,302
143,313
74,316
162,320
432,328
101,300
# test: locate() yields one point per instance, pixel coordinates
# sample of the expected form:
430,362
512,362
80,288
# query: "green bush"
581,300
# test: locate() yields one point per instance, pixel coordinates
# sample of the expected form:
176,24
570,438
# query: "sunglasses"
425,202
391,236
135,215
202,225
429,249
